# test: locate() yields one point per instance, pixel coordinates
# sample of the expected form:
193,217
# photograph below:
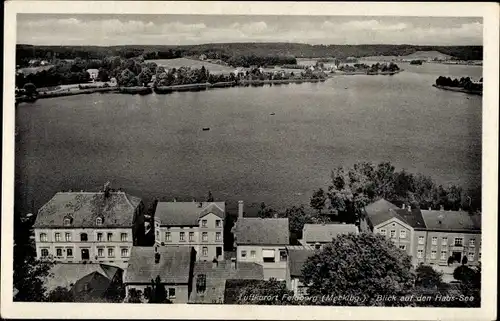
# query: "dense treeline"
374,68
465,83
227,51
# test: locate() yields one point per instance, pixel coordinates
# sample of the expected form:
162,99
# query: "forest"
228,52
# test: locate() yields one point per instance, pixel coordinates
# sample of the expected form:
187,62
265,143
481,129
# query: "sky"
107,30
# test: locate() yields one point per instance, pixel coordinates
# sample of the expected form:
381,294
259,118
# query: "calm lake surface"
154,146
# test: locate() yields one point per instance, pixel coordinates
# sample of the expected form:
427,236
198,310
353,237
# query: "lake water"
154,146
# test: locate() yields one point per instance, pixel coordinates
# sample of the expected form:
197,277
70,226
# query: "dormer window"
67,220
98,221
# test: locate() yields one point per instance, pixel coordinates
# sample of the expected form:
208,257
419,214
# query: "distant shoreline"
459,89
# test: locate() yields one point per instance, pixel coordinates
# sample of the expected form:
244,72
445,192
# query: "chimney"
157,258
215,263
233,263
441,208
240,209
107,189
404,205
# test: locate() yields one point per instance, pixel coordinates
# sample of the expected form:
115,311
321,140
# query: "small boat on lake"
272,114
206,128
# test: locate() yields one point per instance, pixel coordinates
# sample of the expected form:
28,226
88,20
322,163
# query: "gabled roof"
91,287
264,231
117,210
216,278
297,258
458,221
187,213
325,232
173,266
66,274
382,211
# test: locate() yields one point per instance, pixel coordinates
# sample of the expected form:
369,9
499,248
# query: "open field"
185,62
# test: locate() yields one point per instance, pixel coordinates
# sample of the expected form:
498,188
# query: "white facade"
107,245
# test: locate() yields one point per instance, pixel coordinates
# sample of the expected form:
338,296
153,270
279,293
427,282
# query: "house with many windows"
89,227
318,235
262,241
173,264
194,224
429,236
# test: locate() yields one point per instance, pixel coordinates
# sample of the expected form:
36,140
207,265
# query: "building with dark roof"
173,264
199,225
90,227
209,279
319,234
262,241
429,236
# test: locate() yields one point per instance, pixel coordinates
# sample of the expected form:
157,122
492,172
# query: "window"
201,283
471,256
191,236
472,242
99,237
393,234
420,253
43,237
84,237
402,247
383,232
444,241
181,236
69,252
252,254
171,293
58,237
45,252
111,252
100,252
243,254
58,252
282,255
393,224
268,256
67,237
433,254
434,240
402,234
203,223
124,253
217,236
124,237
204,251
421,240
157,235
444,254
98,221
168,237
458,241
218,223
67,221
204,237
479,257
110,237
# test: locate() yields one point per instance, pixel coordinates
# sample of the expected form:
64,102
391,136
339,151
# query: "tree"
210,197
30,90
127,78
318,200
464,260
134,296
103,75
29,279
145,76
470,284
363,266
266,212
157,293
428,277
60,294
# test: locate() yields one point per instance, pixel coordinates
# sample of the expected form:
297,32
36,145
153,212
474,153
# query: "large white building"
89,227
196,224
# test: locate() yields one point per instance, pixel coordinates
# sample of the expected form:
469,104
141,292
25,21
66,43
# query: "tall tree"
266,212
318,200
358,266
210,197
